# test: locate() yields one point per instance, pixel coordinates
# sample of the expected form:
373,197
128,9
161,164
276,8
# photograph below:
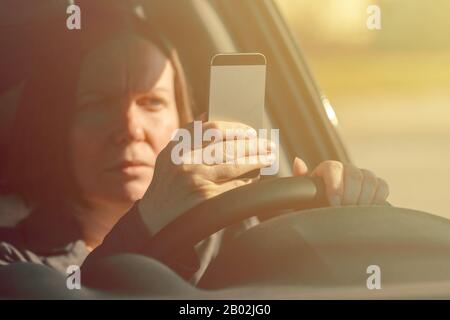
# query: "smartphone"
237,91
237,88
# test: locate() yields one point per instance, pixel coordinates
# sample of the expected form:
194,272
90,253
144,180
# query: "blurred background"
390,88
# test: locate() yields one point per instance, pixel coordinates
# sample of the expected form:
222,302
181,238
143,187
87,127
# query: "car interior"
336,244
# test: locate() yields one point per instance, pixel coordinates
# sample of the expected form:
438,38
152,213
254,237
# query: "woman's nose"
129,127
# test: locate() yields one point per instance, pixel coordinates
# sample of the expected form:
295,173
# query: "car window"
388,81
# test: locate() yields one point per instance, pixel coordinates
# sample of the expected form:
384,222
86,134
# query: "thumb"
299,167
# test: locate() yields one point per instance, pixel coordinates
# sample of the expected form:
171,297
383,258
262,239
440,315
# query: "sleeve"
129,235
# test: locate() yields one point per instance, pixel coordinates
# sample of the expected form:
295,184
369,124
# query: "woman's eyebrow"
162,89
100,95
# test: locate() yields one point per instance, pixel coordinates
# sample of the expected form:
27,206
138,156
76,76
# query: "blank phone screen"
237,94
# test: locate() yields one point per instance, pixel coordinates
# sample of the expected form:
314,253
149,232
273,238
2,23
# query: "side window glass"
385,67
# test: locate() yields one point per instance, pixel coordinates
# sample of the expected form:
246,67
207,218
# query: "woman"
91,147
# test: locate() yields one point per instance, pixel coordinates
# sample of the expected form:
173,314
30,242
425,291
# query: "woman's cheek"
85,155
163,129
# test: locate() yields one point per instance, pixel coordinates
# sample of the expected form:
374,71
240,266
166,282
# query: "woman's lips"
131,168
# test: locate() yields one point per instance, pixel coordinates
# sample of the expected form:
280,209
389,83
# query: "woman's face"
126,114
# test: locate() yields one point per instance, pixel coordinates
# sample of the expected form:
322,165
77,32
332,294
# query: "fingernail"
335,201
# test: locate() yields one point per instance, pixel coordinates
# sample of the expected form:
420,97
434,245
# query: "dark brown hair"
38,164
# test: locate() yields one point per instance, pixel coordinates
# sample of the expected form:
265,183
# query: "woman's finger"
235,183
228,130
228,171
382,192
229,151
353,179
299,167
368,188
332,175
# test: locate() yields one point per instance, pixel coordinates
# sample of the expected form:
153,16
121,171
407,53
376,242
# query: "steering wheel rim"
271,196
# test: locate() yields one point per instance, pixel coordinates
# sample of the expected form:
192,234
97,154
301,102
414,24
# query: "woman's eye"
153,103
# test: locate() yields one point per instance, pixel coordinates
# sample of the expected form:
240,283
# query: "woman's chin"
115,188
134,190
129,191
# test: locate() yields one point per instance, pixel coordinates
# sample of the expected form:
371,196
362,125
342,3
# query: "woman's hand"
175,188
346,184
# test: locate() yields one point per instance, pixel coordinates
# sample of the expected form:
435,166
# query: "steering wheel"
270,196
323,251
